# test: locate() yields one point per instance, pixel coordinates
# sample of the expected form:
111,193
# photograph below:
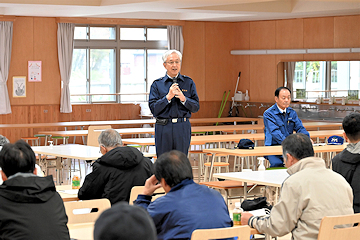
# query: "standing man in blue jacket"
172,100
280,121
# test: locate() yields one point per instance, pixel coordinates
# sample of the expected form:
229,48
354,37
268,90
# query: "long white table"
72,151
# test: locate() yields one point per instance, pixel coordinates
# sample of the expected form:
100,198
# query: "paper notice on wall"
34,71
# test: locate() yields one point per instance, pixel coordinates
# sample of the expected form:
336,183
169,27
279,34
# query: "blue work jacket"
278,126
186,207
160,106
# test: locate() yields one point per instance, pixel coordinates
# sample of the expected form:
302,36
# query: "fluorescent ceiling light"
286,51
329,50
355,50
248,52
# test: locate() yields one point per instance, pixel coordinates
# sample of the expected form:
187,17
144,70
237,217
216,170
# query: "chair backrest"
136,190
82,211
92,137
327,230
241,232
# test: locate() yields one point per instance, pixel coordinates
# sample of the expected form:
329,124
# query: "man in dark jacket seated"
187,205
117,171
347,163
30,207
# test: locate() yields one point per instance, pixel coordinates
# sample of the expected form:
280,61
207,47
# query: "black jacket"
348,165
115,173
30,208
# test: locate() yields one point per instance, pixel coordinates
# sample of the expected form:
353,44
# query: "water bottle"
75,182
261,164
237,214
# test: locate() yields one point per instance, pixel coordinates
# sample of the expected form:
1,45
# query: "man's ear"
4,177
165,186
290,159
345,137
35,171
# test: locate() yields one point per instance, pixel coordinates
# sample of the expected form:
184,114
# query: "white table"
72,151
273,178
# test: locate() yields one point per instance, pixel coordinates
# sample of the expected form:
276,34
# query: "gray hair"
167,53
3,140
110,138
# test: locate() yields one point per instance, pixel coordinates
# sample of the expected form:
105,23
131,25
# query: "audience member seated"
347,163
3,141
116,172
310,193
280,120
187,205
125,222
30,207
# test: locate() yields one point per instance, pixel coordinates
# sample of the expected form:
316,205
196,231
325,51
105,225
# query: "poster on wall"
19,86
34,71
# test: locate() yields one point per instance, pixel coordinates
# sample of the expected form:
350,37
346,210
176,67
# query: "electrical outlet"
88,110
45,111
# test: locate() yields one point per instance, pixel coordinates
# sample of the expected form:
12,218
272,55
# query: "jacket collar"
309,162
182,184
167,78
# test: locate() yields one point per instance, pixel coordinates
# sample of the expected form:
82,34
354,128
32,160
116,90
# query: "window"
108,60
331,78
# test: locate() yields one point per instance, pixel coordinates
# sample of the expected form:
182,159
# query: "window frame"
118,45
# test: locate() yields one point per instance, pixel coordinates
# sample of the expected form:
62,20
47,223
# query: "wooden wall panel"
193,63
241,64
22,51
219,74
347,31
319,32
242,35
262,35
263,77
45,50
289,34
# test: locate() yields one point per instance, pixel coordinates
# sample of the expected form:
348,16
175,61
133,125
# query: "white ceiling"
195,10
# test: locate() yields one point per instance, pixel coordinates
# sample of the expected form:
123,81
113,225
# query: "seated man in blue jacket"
187,205
280,121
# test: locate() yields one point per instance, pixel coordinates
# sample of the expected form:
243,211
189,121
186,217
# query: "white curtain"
175,38
6,30
289,67
65,37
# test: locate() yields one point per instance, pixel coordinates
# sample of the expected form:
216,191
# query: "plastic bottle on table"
237,214
75,182
261,165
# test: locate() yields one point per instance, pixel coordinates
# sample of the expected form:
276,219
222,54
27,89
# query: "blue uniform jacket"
161,108
278,126
188,206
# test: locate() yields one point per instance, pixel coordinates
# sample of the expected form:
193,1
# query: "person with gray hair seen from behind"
116,172
172,99
3,140
347,162
125,222
310,193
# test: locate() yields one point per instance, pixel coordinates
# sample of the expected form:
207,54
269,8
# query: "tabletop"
124,131
76,151
196,140
273,178
67,193
122,122
271,150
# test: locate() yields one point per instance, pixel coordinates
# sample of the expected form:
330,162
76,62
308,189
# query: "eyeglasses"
176,62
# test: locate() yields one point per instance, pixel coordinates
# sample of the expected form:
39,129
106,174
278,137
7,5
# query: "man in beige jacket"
310,193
